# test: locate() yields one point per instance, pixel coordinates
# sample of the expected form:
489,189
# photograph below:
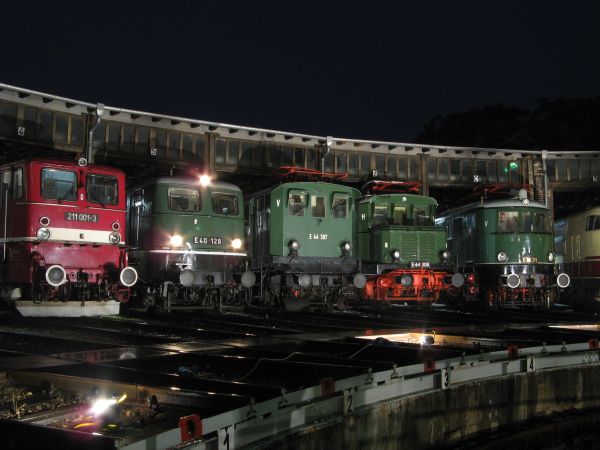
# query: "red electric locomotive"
62,229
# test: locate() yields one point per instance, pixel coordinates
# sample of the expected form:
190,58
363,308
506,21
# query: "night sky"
373,70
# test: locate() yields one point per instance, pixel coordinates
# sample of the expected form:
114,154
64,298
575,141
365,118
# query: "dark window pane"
200,148
365,164
273,156
329,160
187,147
480,172
29,121
128,144
158,144
573,169
442,169
8,119
258,156
76,130
99,136
246,156
59,184
403,168
183,199
465,170
102,189
60,127
318,206
454,169
380,163
224,203
220,149
502,171
173,150
551,169
341,162
392,162
143,136
233,153
287,156
299,157
431,169
492,175
561,170
415,168
114,137
44,125
312,159
353,164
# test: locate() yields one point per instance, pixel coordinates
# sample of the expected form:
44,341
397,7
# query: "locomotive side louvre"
577,240
187,241
64,235
403,252
506,249
302,241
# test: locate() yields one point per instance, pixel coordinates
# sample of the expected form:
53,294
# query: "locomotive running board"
67,309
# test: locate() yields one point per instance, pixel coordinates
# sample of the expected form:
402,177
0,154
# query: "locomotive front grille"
408,247
427,251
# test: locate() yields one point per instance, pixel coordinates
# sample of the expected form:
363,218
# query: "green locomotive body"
187,241
506,250
301,243
403,252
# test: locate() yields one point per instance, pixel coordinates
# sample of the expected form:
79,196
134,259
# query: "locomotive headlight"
294,245
236,243
550,256
396,254
346,246
176,240
502,257
43,234
204,180
445,255
114,238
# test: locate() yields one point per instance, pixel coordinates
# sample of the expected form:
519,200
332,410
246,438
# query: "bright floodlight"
204,180
176,240
236,243
101,405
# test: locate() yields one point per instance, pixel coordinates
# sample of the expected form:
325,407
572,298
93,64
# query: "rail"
291,411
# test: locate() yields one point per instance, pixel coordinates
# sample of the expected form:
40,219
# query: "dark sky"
373,70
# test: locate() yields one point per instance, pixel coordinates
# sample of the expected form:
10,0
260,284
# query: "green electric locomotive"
505,249
187,238
403,252
301,244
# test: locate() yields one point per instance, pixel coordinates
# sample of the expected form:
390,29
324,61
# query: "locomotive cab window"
421,216
318,206
226,204
339,207
102,189
508,222
184,199
400,215
592,223
380,215
535,222
296,204
59,184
